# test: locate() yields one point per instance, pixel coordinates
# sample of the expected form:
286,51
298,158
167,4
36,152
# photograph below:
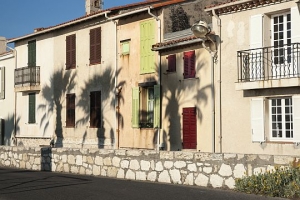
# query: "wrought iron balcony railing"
27,76
269,63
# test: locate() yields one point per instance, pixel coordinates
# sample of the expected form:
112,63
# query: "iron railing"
27,76
269,63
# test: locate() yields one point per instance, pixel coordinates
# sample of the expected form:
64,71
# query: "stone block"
166,155
225,170
192,167
181,155
79,160
207,170
159,167
107,161
90,160
164,177
230,183
124,164
133,153
112,172
239,171
64,158
74,170
66,168
175,176
82,170
120,152
71,159
99,160
96,170
201,180
88,172
134,165
141,176
130,175
116,161
180,164
189,180
145,165
121,173
216,181
168,164
228,156
152,176
283,160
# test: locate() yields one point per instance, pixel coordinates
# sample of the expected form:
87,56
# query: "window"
31,108
146,107
2,82
95,109
283,115
281,118
189,135
95,46
125,47
171,63
71,51
147,39
70,110
32,53
189,64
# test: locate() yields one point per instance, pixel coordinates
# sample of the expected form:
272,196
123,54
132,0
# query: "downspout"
220,83
15,101
159,74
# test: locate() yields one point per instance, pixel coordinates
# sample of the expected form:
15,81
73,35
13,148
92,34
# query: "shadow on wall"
61,83
8,137
104,82
46,159
174,102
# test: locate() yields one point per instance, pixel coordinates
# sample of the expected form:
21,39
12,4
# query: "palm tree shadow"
61,82
11,127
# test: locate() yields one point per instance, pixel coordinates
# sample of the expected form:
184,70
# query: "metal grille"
269,63
27,76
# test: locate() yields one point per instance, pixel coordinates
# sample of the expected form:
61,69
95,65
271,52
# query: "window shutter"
147,39
70,110
156,123
71,51
257,120
135,107
256,31
95,45
171,63
2,88
189,128
295,19
95,109
296,118
31,108
32,53
189,64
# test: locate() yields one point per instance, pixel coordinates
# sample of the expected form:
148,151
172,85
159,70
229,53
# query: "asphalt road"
31,185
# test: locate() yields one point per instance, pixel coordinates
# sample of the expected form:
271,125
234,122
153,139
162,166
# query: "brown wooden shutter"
95,109
70,110
71,51
95,46
189,119
189,64
172,63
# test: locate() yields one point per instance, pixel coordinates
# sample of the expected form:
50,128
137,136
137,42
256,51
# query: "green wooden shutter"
135,107
156,123
32,53
2,86
147,39
31,108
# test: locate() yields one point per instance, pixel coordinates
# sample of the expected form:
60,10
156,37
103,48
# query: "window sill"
187,79
97,63
169,72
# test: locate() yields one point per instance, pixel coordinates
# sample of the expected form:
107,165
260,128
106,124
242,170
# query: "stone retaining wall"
188,168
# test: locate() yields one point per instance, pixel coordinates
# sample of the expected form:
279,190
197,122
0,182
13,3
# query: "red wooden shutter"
71,51
189,128
95,109
95,46
189,64
70,110
172,63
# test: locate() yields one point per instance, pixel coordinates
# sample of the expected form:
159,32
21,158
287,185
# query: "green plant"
280,182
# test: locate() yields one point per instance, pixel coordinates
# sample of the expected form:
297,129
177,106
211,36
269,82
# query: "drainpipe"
15,101
220,82
159,71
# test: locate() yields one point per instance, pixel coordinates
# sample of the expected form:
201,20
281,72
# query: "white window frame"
283,121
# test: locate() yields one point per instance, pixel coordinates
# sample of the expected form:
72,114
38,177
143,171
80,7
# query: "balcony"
269,67
27,79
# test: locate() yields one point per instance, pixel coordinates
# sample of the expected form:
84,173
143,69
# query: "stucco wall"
235,104
200,169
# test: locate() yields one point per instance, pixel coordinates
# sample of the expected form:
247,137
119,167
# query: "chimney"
2,44
92,6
